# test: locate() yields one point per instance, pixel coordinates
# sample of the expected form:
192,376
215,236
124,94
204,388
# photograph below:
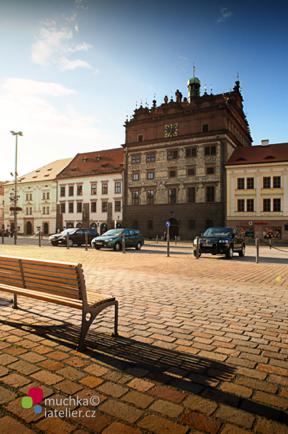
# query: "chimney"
264,142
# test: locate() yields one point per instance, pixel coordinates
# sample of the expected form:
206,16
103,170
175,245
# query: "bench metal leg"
116,319
15,305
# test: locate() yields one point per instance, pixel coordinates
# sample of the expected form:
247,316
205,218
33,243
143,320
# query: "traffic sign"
168,224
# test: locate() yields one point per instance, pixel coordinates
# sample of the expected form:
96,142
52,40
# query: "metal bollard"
175,240
157,239
197,247
257,250
2,237
67,240
86,241
39,238
168,241
270,243
123,244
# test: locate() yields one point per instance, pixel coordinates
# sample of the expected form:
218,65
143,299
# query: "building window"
43,196
47,195
191,171
210,193
62,207
172,173
135,176
30,210
140,138
62,191
93,188
47,210
266,182
150,225
79,207
28,197
210,150
191,152
276,181
135,197
150,197
240,183
71,207
205,128
71,190
104,187
210,170
191,224
172,154
276,205
267,204
104,205
150,174
79,189
172,195
240,205
44,210
250,205
93,206
250,183
117,187
117,206
135,158
191,194
151,157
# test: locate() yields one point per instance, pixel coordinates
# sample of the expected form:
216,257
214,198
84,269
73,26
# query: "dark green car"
113,239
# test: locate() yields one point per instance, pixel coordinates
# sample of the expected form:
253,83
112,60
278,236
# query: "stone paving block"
168,393
112,389
159,425
166,408
15,380
120,428
91,381
234,415
23,367
27,415
6,395
195,402
55,426
200,421
140,384
138,399
121,410
68,387
265,426
9,425
47,377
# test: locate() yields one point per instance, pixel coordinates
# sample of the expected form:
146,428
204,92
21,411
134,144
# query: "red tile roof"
94,163
273,153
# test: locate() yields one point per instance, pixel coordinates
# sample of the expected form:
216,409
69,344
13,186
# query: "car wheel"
242,252
117,247
54,243
197,255
97,247
138,246
229,253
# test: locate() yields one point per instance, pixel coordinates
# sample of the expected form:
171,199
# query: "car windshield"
218,232
69,231
113,233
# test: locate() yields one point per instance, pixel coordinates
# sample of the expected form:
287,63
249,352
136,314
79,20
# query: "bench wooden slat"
55,282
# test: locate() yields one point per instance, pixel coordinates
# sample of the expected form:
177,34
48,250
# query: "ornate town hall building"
175,156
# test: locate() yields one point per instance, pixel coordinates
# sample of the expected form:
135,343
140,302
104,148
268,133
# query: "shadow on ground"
184,371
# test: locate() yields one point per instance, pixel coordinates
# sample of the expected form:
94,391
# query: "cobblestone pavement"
203,347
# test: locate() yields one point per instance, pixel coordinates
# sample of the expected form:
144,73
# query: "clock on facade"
171,130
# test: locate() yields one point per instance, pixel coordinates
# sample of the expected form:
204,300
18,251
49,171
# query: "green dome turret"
193,85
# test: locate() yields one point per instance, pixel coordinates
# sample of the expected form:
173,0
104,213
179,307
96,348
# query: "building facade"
175,156
37,198
90,191
257,191
1,205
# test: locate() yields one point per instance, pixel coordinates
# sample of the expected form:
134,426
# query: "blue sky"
71,71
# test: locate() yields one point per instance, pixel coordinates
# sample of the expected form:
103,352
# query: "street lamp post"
16,134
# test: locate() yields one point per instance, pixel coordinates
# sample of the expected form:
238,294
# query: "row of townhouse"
83,191
88,190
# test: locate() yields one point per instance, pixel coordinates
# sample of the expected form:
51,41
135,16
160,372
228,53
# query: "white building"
257,190
37,199
90,191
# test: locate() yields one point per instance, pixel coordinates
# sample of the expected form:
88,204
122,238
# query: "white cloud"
225,13
23,86
56,42
51,130
67,64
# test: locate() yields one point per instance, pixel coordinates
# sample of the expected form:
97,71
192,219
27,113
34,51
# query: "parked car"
223,241
114,238
74,235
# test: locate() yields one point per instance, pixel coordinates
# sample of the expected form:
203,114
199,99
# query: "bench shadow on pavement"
184,371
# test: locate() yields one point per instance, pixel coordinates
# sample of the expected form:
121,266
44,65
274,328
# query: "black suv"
73,236
220,241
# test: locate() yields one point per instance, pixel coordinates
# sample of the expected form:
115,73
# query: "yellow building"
257,190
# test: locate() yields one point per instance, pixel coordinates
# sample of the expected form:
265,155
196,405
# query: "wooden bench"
56,282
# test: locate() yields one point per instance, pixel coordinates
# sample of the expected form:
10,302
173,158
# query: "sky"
73,70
